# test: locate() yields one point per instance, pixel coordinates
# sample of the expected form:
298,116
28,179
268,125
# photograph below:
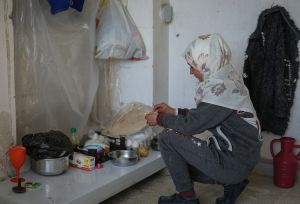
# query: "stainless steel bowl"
50,167
123,157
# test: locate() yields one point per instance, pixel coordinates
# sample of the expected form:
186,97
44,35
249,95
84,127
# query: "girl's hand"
164,108
151,118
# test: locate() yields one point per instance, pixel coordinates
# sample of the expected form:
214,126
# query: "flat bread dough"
128,121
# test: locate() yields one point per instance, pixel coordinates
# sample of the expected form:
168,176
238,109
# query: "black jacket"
271,68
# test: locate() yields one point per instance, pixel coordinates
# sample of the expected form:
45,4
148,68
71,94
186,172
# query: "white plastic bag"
117,34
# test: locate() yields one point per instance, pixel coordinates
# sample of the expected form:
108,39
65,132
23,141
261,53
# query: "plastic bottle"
74,137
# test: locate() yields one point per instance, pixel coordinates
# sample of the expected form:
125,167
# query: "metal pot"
123,157
50,167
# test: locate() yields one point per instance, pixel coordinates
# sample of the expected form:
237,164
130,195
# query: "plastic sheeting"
108,98
56,76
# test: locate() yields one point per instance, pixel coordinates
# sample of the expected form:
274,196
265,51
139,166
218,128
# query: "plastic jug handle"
271,146
298,155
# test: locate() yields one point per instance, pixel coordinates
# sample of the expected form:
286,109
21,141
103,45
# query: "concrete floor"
259,191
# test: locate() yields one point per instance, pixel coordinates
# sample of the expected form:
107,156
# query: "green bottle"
74,137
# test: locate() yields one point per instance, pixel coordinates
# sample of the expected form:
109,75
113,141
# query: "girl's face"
196,73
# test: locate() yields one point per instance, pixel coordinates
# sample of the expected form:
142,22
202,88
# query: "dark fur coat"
271,68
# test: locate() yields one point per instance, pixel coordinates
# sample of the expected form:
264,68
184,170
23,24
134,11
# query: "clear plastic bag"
142,139
117,34
108,97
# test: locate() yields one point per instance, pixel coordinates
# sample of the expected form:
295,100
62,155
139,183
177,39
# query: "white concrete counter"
82,187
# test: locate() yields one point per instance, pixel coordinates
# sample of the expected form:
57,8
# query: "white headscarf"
222,85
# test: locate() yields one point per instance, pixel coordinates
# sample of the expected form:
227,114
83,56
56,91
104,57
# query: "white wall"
235,20
136,78
139,79
160,55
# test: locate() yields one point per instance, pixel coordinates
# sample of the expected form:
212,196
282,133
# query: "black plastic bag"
49,145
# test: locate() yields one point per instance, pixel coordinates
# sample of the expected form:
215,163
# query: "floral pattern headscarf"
222,85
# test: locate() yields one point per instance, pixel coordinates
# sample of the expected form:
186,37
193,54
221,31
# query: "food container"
123,157
82,161
50,167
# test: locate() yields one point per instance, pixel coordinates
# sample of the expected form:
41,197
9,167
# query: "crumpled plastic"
48,145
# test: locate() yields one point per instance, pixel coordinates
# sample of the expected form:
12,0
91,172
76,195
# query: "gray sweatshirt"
232,139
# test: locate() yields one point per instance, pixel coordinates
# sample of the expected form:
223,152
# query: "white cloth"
222,85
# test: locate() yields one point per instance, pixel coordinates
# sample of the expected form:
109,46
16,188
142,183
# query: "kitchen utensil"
123,158
50,167
17,155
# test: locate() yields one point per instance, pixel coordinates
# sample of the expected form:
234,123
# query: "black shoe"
232,192
177,199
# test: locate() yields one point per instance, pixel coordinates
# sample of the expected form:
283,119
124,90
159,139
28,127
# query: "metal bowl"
50,167
123,157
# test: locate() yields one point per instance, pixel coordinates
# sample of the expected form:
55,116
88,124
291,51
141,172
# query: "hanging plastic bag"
117,34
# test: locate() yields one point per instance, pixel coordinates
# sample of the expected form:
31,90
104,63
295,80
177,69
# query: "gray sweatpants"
188,161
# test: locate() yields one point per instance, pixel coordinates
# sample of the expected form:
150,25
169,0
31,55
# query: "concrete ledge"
78,187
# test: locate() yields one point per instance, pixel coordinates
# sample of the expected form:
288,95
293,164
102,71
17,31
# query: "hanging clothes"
62,5
271,68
